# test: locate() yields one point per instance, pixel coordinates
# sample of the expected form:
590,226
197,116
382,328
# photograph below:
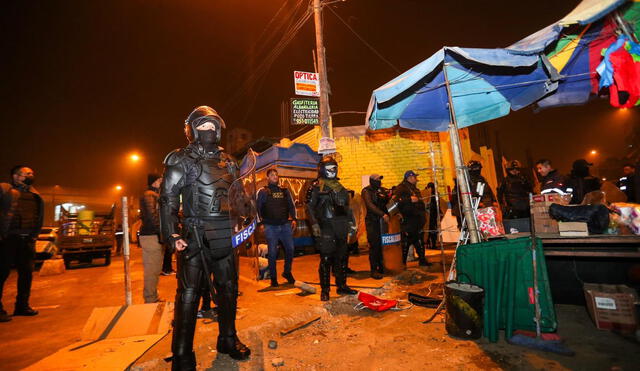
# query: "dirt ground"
342,339
397,340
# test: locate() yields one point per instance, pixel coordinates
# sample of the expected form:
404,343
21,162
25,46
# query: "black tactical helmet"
198,117
322,168
474,165
514,165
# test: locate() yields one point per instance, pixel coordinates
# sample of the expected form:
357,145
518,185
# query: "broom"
550,342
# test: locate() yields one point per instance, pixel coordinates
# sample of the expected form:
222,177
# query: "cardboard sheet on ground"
113,338
108,354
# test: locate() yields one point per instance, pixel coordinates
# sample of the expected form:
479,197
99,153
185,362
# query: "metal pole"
624,26
125,250
461,170
322,72
436,199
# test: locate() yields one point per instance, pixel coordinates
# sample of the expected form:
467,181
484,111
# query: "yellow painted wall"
389,153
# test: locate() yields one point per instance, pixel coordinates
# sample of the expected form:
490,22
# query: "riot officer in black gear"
375,200
202,177
331,221
513,193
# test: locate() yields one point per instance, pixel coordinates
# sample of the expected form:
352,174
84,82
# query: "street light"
134,157
118,187
594,152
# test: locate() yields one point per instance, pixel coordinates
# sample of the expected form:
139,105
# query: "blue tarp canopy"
485,83
298,156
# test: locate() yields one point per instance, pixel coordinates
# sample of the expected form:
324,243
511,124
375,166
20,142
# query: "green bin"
504,269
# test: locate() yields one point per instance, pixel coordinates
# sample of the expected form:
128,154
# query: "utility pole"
325,117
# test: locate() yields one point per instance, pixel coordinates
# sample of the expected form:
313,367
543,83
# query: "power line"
364,41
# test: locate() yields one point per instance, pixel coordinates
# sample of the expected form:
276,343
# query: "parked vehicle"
86,235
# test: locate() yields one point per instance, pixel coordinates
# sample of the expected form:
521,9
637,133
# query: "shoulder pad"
175,157
227,157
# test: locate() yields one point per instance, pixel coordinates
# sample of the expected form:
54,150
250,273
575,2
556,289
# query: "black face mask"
474,173
208,138
375,183
28,181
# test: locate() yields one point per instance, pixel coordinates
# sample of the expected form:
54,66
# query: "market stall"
296,164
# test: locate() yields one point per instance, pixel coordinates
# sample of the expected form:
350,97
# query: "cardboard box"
573,229
540,211
612,307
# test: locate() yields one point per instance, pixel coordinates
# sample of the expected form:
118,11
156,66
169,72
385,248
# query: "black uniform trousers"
333,249
411,229
192,274
18,250
374,237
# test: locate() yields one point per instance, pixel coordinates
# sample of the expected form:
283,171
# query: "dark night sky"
86,82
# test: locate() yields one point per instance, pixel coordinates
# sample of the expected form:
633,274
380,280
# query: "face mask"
28,181
375,183
207,137
331,171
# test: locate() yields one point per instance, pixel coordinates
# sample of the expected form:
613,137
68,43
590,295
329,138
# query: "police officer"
201,178
375,200
21,215
331,221
278,214
551,181
513,193
413,212
626,182
581,182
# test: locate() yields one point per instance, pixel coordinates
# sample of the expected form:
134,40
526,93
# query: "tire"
67,262
107,258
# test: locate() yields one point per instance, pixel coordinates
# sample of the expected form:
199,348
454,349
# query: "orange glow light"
593,152
118,188
134,157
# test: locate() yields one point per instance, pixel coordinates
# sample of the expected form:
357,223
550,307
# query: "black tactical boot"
325,277
289,277
25,311
274,282
341,282
232,346
184,362
4,316
405,252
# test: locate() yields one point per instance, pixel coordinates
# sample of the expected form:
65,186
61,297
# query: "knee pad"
189,296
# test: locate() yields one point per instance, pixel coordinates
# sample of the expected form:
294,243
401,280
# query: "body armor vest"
276,208
332,204
207,195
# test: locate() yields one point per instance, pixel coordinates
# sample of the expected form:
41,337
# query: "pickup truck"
86,239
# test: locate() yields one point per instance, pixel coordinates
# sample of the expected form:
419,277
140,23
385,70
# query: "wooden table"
572,261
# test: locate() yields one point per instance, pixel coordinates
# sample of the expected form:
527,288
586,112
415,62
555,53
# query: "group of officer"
202,181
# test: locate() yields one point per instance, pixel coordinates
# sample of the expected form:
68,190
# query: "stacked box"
540,211
612,307
573,229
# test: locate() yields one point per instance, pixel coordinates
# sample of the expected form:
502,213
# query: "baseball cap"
409,173
375,176
582,163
